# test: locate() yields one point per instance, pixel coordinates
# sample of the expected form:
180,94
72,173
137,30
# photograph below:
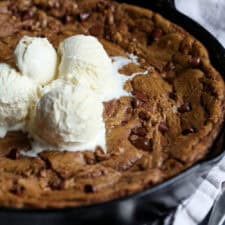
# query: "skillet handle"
162,3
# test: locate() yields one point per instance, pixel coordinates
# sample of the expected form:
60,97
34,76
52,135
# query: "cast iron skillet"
155,202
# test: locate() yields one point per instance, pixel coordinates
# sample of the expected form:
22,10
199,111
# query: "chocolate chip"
140,96
96,30
89,157
18,190
14,154
68,19
42,35
169,79
195,61
136,103
207,87
84,16
186,107
141,142
139,131
123,123
55,184
28,14
129,110
101,155
188,131
88,188
13,7
157,34
172,95
163,127
169,66
143,116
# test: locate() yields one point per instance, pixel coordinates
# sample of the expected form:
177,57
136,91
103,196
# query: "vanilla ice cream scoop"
85,61
16,93
36,58
67,115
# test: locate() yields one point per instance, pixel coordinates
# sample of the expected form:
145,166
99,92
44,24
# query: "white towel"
195,209
211,15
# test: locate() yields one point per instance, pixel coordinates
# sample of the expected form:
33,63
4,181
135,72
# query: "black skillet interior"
151,204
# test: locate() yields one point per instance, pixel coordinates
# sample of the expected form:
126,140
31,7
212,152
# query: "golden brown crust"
169,123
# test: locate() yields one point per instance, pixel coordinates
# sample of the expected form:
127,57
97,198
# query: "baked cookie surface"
168,123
